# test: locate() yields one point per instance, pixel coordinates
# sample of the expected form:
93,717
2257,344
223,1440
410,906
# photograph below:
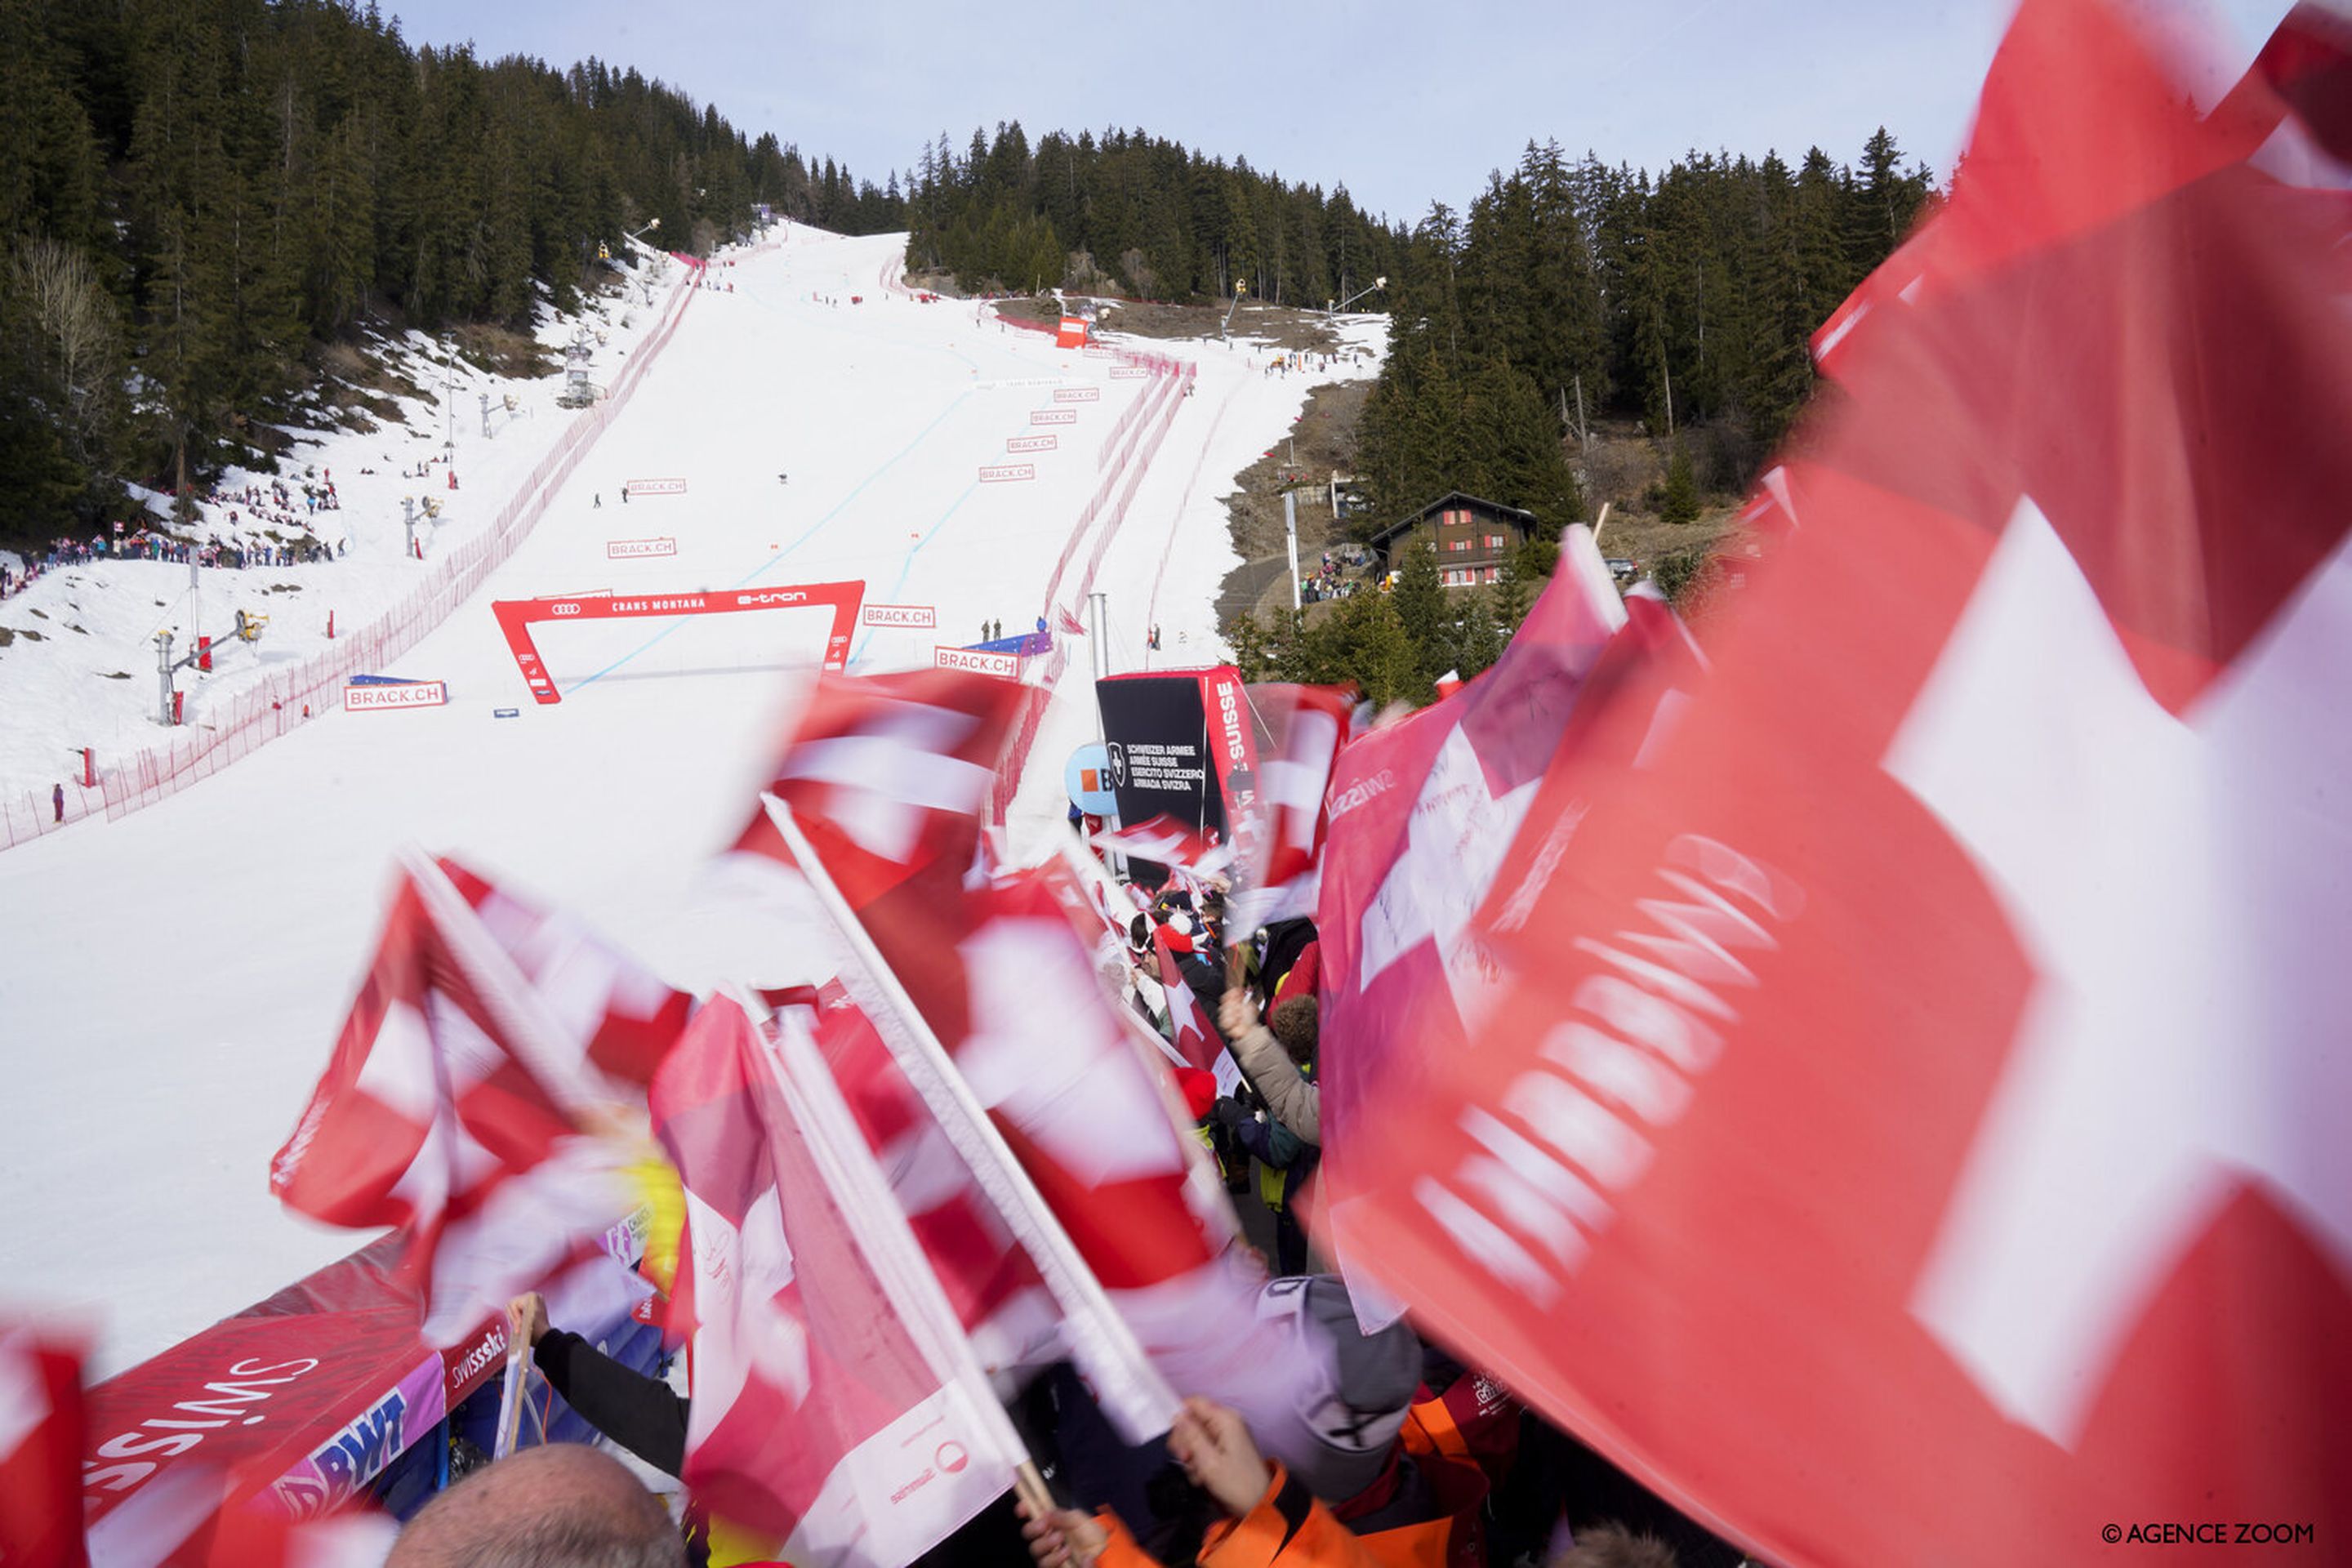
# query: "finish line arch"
517,616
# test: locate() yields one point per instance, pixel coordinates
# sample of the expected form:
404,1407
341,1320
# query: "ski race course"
173,980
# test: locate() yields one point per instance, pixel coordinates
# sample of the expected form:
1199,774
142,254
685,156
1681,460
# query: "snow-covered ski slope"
170,984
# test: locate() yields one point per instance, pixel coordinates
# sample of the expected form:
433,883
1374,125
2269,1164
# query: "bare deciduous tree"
81,330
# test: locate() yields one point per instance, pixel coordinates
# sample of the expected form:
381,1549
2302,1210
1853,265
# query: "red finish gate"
516,617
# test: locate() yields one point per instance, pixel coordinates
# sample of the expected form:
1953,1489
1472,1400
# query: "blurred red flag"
836,1408
41,1431
459,1106
1900,1128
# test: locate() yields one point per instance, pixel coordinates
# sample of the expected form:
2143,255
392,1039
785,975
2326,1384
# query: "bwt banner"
1077,394
1001,473
1005,663
1045,443
632,548
371,697
1181,742
900,616
656,486
1052,416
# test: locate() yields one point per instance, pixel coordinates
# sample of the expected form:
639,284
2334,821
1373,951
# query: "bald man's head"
562,1506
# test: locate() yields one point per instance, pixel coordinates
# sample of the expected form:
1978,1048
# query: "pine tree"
1422,610
1476,641
1681,500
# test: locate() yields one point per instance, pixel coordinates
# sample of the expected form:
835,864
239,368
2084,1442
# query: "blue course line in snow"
907,565
806,534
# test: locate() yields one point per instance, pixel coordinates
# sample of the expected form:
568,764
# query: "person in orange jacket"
1272,1522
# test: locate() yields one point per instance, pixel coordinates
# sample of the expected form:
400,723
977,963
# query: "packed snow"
174,981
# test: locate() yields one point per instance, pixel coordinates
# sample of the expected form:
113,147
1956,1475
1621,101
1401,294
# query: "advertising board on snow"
656,486
900,616
1077,394
1001,473
1006,664
1052,416
1044,443
1129,372
635,549
406,694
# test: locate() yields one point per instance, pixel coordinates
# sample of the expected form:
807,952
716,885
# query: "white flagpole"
1125,1379
510,1398
889,1243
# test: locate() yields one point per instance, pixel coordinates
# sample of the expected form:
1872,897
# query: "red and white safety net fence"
1127,454
239,724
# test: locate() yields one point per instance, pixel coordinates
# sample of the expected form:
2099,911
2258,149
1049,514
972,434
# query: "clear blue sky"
1401,102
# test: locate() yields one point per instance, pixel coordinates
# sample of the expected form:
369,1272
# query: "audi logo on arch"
564,610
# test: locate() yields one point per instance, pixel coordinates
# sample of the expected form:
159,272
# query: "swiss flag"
459,1106
627,1015
996,1292
1416,818
1905,1131
835,1410
1197,1041
1189,854
1281,859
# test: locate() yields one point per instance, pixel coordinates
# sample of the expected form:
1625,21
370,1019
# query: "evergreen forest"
197,195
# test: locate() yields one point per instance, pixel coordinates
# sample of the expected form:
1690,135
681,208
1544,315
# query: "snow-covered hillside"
173,981
77,646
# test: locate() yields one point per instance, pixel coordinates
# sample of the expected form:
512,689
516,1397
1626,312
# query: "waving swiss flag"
462,1107
1905,1130
1281,861
836,1409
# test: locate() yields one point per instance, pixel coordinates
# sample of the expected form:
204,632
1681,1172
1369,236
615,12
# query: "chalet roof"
1451,499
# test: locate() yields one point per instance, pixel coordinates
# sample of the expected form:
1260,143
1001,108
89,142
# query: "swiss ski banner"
1906,1126
834,1407
459,1106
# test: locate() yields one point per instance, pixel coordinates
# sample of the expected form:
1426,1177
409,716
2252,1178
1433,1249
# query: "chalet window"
1495,542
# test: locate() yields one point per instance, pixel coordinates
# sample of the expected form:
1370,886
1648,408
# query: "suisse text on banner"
1005,663
633,548
408,694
